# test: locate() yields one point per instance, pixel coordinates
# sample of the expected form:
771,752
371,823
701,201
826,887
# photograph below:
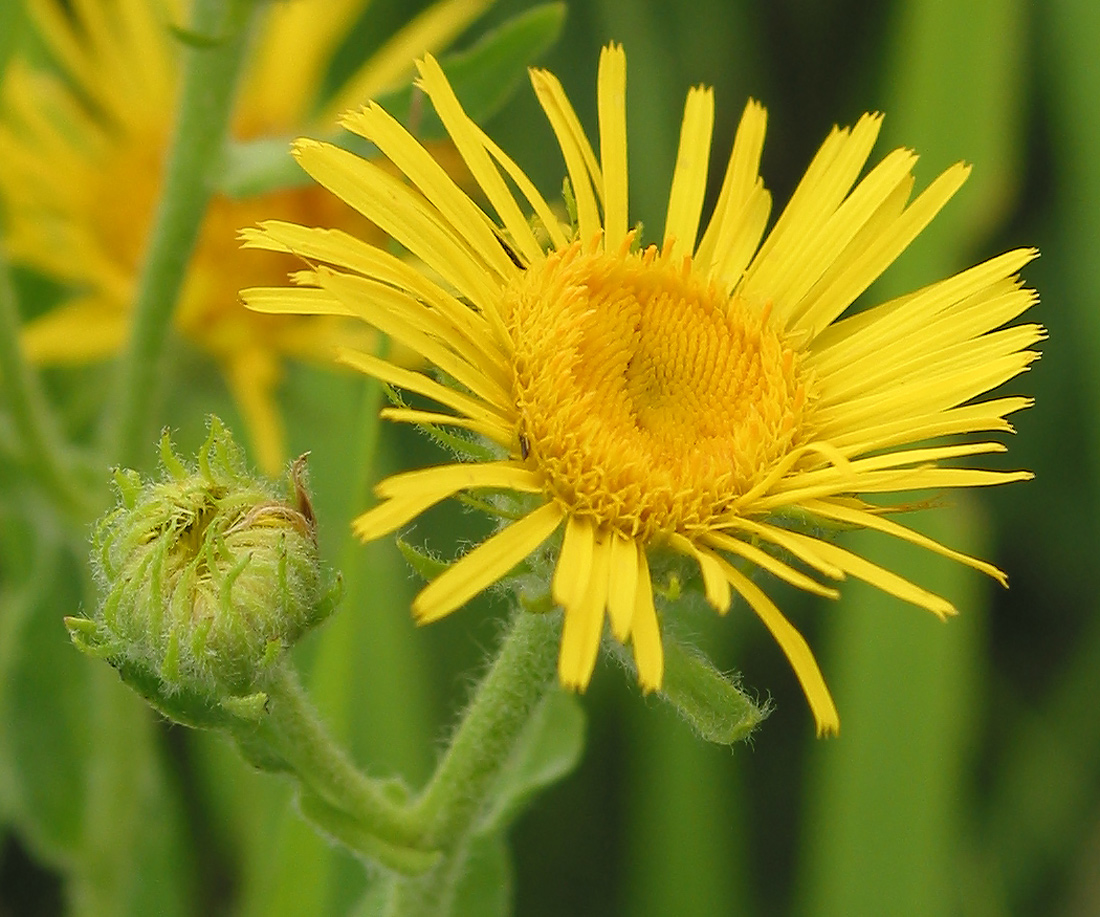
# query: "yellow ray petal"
622,584
689,178
866,332
580,161
574,566
611,103
735,249
443,480
887,188
486,564
467,139
943,354
741,180
497,432
863,263
293,301
86,329
645,632
852,470
796,650
765,561
878,577
824,185
782,538
421,384
289,59
870,520
55,28
984,417
715,584
580,637
336,247
147,35
527,188
394,313
409,219
390,515
401,148
920,396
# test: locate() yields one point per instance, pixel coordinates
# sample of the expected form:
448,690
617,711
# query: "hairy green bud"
207,576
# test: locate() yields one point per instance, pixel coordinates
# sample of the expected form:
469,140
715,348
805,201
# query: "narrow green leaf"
486,75
44,723
485,889
425,564
712,703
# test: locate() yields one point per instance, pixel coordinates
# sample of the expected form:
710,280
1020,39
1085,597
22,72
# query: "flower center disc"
649,400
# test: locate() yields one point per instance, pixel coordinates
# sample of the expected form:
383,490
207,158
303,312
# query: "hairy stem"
293,729
462,786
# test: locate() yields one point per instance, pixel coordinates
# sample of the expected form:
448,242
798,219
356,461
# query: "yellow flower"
81,157
691,397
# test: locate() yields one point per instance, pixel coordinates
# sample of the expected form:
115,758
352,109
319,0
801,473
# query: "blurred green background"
966,779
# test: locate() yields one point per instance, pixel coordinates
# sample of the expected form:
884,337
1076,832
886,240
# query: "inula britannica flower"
81,157
693,395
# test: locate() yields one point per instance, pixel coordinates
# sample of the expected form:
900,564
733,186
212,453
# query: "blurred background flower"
967,776
82,152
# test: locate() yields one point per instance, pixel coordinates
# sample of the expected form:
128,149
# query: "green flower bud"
206,578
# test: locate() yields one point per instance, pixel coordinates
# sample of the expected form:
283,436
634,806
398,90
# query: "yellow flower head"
81,159
686,397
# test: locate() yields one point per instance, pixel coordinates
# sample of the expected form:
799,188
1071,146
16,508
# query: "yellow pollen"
648,398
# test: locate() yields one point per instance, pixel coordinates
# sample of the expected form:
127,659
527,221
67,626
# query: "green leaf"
549,750
712,703
426,565
485,889
197,40
486,75
44,733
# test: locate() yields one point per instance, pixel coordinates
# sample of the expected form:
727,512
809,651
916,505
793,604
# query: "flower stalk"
217,39
367,815
464,782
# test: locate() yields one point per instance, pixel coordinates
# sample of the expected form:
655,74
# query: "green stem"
503,704
217,38
464,782
44,452
292,727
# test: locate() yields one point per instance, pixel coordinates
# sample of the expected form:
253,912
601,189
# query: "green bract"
206,577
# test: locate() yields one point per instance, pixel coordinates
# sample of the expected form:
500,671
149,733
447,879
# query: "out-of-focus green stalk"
44,452
884,829
217,36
